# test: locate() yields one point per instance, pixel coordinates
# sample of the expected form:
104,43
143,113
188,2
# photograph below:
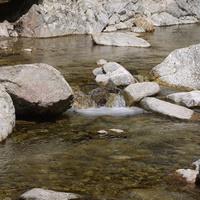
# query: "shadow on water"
104,156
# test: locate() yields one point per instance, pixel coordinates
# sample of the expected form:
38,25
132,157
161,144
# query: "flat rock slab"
189,99
167,109
41,194
180,69
36,89
7,114
119,39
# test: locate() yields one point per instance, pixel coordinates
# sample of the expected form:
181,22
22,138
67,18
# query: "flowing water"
102,153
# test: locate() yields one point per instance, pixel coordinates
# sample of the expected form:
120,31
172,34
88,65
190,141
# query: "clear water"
69,154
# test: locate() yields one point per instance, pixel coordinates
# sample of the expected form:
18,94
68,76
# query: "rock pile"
116,80
52,18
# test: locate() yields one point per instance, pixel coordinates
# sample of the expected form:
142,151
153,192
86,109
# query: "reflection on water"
69,154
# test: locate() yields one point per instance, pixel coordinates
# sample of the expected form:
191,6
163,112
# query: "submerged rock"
189,99
167,109
180,69
41,194
119,39
36,89
7,114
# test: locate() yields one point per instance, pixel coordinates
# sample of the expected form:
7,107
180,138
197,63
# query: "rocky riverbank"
50,18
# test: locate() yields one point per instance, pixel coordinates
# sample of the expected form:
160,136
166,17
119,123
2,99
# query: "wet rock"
191,175
167,109
7,114
188,174
115,100
119,39
41,194
36,89
100,96
135,92
115,73
180,68
144,23
189,99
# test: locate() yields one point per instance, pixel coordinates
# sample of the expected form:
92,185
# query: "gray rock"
58,17
115,73
119,39
41,194
7,29
135,92
7,114
36,89
189,99
3,30
167,109
181,68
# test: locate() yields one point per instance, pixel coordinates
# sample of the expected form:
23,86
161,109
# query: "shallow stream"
69,154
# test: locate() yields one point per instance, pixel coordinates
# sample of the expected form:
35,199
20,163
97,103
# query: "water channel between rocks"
68,153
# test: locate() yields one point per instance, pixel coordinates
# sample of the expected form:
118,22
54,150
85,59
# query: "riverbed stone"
41,194
167,109
7,114
119,39
137,91
36,89
114,73
144,23
180,69
190,175
189,99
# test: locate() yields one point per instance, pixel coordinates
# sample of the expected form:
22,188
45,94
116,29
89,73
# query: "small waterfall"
116,100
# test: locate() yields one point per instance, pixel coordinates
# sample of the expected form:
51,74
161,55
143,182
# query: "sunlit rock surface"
49,18
167,109
189,99
180,69
7,114
36,89
135,92
119,39
114,73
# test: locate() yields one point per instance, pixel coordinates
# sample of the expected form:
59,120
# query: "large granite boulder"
119,39
41,194
7,114
56,18
189,99
168,109
180,69
137,91
36,89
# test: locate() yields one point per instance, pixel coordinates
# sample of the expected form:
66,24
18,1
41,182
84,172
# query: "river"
69,154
